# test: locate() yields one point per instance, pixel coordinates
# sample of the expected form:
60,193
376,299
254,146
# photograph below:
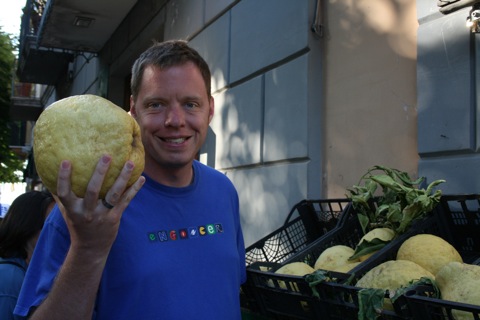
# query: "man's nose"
175,116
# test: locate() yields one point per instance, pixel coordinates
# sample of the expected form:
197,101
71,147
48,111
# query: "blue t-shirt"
179,254
12,272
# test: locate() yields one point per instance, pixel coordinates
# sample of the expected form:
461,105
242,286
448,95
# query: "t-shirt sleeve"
49,254
240,241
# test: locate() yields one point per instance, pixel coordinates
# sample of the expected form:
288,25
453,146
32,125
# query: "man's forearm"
74,290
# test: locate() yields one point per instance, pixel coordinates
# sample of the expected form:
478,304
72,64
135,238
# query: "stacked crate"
456,219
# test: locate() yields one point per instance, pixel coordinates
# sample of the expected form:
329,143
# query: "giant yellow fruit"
345,268
392,275
429,251
384,234
460,282
293,269
81,129
334,257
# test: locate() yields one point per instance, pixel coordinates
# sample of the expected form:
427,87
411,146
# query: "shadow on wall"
234,146
370,98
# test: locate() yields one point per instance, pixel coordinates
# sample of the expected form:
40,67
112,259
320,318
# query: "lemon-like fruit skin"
82,129
345,268
393,274
460,282
430,251
334,257
295,269
384,234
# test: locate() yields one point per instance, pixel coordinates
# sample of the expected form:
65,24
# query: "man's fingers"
96,181
117,197
132,191
117,192
63,180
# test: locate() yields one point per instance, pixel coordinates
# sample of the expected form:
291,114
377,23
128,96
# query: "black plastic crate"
281,296
337,299
348,233
422,306
291,297
451,220
307,221
462,213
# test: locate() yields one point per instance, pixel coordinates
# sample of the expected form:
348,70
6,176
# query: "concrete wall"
370,90
296,116
448,126
265,66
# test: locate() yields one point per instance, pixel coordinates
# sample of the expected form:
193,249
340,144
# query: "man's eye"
190,105
155,105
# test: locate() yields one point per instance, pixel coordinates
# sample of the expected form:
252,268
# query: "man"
177,252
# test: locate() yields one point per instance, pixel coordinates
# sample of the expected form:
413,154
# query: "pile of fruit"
422,258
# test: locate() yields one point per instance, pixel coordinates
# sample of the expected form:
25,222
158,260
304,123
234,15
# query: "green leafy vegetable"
399,203
313,279
370,303
367,247
416,283
319,276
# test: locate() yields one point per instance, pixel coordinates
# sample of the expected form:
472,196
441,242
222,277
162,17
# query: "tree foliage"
10,163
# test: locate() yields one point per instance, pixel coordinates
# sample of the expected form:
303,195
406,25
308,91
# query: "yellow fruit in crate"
384,234
81,129
293,269
347,267
460,282
429,251
391,275
334,257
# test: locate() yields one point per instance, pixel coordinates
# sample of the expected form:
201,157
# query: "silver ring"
106,204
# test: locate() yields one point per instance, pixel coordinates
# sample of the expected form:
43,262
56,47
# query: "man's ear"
211,109
133,111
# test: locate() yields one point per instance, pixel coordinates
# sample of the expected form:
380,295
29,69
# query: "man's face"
174,112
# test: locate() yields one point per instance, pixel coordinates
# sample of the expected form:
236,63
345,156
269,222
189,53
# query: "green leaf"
371,187
364,222
366,247
411,195
394,214
400,203
387,182
313,279
433,185
360,200
415,283
370,303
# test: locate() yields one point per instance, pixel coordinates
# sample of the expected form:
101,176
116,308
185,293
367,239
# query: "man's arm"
93,228
74,290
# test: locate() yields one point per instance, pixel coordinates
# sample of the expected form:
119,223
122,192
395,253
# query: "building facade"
308,93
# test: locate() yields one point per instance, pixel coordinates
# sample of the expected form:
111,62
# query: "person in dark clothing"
19,232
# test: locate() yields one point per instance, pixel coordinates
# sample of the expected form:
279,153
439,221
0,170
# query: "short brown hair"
167,54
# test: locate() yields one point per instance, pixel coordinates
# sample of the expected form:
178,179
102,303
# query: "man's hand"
93,227
92,224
